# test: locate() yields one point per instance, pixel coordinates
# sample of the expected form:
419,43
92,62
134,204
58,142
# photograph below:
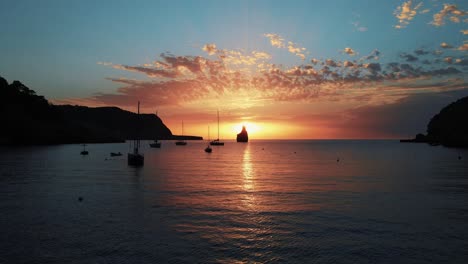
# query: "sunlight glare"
252,128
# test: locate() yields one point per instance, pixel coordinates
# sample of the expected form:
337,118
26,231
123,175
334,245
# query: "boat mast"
136,143
218,124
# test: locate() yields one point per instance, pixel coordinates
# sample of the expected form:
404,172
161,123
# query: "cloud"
296,50
408,57
275,40
348,64
374,55
279,42
150,72
349,51
445,45
210,48
424,11
463,47
331,63
451,11
464,32
421,52
405,13
315,61
463,62
233,74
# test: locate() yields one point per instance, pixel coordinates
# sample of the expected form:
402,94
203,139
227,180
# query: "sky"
284,69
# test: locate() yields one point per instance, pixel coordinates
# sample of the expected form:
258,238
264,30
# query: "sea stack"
243,136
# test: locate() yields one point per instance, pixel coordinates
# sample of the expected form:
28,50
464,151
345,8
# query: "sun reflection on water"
248,170
248,173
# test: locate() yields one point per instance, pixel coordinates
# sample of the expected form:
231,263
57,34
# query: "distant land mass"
448,128
28,118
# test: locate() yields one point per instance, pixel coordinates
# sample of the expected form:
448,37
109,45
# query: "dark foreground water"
265,201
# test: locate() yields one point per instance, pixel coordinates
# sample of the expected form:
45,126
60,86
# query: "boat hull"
135,159
155,145
216,143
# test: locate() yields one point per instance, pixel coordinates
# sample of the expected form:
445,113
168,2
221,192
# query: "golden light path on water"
248,174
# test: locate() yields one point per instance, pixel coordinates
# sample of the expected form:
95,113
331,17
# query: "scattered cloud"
464,32
408,57
451,11
275,40
425,11
296,50
182,79
349,51
463,62
374,55
405,13
279,42
463,47
210,48
445,45
420,52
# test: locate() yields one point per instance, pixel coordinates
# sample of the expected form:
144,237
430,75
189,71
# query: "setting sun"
252,128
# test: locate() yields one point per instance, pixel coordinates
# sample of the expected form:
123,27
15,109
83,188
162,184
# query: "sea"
265,201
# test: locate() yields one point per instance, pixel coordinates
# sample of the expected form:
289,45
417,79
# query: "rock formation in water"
243,136
449,127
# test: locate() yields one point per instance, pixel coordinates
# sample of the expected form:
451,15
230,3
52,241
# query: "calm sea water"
265,201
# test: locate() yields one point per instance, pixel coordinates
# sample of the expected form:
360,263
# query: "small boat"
84,151
135,158
216,142
155,144
181,142
115,154
208,148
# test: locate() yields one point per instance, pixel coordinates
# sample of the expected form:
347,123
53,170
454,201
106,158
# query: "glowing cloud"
278,42
463,47
275,40
296,50
210,48
451,11
349,51
405,13
445,45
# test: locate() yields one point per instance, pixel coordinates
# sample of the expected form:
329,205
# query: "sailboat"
208,148
156,143
84,151
216,142
135,158
181,142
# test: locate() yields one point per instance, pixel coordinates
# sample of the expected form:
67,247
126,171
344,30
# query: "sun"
252,128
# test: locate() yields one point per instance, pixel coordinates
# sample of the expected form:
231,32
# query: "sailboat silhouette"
216,142
181,142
